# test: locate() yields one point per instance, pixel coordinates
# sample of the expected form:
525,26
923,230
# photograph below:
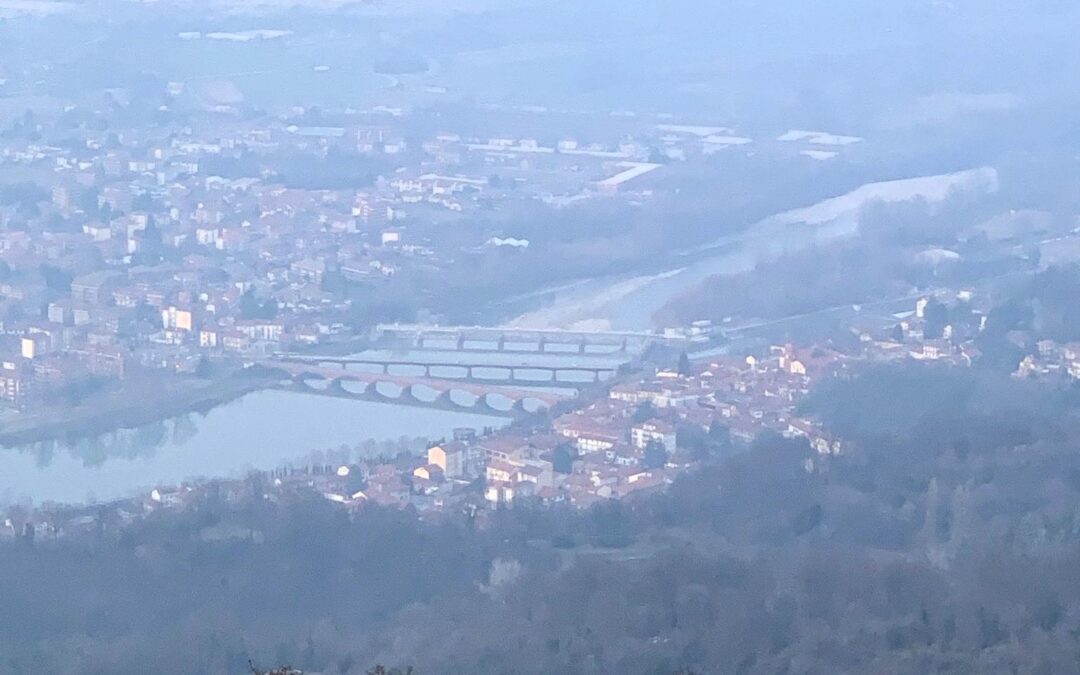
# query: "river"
261,430
267,429
629,302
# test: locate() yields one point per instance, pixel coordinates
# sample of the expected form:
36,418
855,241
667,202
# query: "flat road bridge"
462,336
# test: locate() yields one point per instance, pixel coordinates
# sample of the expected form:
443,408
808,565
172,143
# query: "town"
631,435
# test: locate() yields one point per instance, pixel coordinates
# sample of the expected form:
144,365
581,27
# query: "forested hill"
944,541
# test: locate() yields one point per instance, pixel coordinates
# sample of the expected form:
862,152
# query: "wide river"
629,302
262,430
271,428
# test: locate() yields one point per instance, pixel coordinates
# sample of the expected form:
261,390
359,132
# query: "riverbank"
630,301
135,403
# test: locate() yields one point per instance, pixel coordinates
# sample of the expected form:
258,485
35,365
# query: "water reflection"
261,430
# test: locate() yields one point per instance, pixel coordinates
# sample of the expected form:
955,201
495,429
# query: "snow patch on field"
820,155
817,138
936,256
694,130
10,9
238,36
727,140
931,188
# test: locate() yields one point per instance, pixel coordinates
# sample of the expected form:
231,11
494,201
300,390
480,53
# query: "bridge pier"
482,405
443,400
407,394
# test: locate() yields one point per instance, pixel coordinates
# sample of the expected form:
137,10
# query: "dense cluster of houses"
150,249
637,438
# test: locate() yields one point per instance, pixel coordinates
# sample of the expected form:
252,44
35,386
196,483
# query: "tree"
251,308
56,279
283,670
356,481
937,317
562,458
333,281
656,456
806,520
144,201
644,413
692,437
684,365
720,434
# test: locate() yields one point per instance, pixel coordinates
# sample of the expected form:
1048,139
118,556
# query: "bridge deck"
405,382
523,365
509,331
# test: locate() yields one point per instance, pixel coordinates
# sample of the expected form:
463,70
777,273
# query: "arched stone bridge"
468,369
338,381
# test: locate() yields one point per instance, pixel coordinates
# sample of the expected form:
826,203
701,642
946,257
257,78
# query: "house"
536,471
653,431
270,331
93,288
175,318
308,269
102,361
170,497
429,472
14,382
506,448
499,493
501,471
450,457
589,434
34,345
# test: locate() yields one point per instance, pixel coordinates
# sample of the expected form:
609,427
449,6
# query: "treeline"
1040,306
